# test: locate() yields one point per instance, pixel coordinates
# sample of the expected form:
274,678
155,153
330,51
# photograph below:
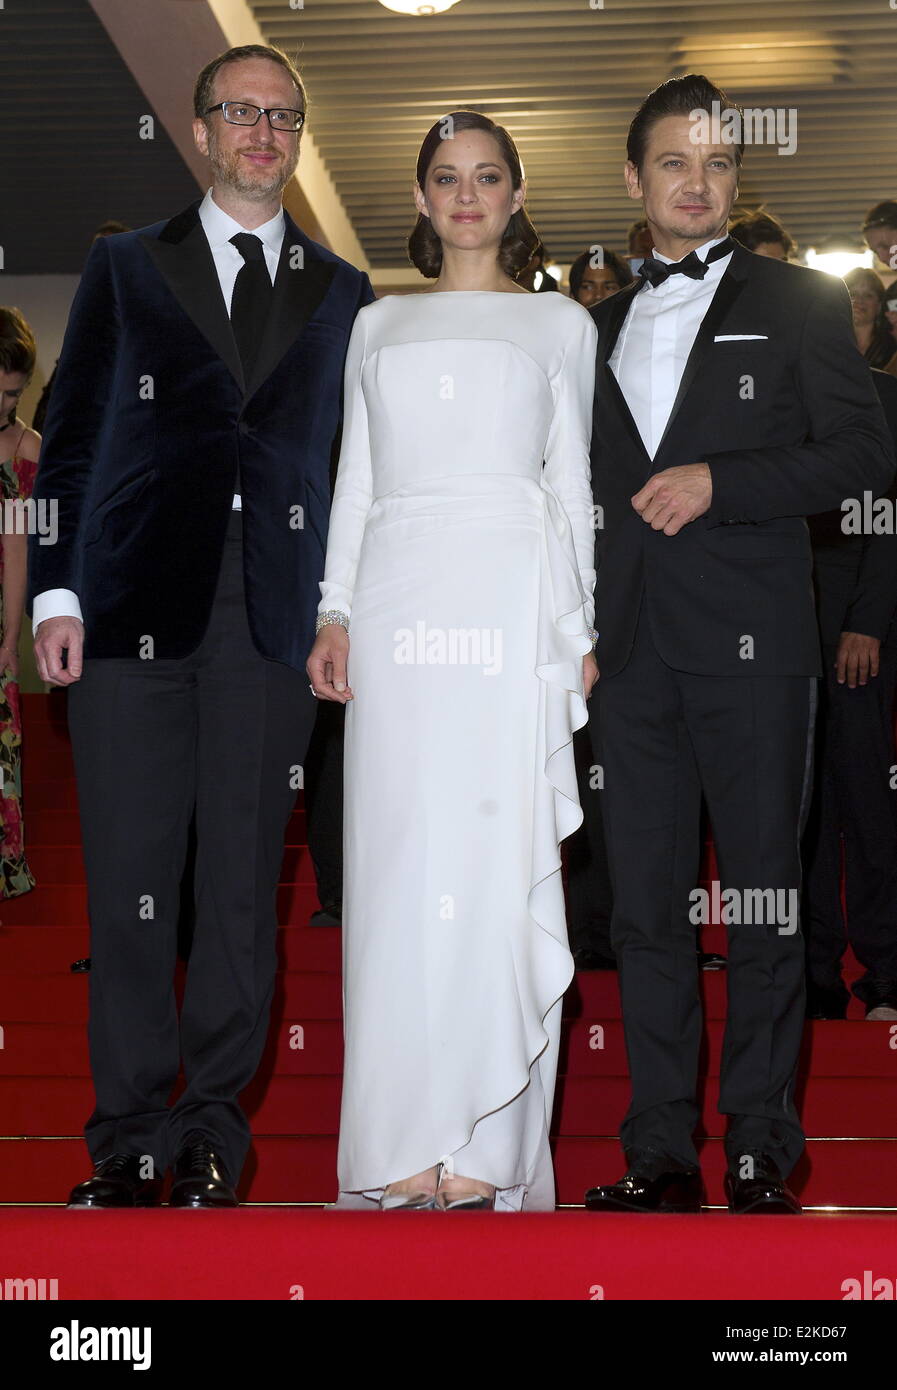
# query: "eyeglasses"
242,113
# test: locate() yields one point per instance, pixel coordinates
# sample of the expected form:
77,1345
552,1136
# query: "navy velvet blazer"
152,428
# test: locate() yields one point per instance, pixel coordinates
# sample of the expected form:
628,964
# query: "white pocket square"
742,338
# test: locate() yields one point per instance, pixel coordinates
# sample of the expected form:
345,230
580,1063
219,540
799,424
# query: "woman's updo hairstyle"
521,240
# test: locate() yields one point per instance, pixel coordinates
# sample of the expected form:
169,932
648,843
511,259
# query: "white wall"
45,301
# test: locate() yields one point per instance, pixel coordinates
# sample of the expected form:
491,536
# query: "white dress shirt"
657,336
219,227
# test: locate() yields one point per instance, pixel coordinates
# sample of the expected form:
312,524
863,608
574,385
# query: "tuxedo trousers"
663,738
853,799
218,736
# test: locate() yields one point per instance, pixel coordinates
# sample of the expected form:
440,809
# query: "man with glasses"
188,448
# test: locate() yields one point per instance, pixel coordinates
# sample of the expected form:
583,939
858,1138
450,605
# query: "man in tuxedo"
855,577
731,402
188,447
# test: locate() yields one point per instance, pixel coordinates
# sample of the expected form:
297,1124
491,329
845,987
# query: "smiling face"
688,189
864,301
467,192
254,162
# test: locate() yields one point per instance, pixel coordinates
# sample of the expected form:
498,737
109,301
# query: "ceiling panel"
72,155
566,79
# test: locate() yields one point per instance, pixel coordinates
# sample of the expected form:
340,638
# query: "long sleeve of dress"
567,470
353,489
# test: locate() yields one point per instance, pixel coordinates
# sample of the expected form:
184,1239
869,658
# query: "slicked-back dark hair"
205,82
679,96
520,242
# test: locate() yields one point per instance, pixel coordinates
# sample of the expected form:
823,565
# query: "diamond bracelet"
333,615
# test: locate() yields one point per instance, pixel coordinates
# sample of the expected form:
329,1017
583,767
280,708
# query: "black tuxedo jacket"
856,576
152,427
789,424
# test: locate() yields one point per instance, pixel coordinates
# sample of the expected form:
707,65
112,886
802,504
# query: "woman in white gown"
459,586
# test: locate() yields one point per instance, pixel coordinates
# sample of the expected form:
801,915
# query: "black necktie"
654,272
251,300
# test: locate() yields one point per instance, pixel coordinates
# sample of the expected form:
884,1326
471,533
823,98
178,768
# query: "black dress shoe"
586,959
883,1007
711,960
330,915
650,1188
198,1177
764,1193
117,1182
826,1002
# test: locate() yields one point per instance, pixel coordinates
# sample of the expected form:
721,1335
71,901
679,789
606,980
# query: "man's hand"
326,665
53,637
673,498
589,673
857,658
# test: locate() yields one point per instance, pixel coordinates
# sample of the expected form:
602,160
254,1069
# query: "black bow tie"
654,272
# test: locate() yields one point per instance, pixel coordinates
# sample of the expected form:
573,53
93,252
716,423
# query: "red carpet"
260,1253
849,1098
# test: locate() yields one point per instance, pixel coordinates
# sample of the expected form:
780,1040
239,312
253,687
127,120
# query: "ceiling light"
838,262
415,7
798,58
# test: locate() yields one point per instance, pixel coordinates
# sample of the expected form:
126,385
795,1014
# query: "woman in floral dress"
19,448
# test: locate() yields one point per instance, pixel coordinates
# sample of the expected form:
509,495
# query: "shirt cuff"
54,603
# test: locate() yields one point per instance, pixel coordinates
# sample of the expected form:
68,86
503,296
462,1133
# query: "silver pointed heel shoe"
468,1201
463,1201
410,1201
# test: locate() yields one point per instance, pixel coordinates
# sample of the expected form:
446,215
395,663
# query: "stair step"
838,1173
300,1046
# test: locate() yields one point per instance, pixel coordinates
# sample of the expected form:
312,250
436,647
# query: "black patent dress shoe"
586,959
763,1193
826,1002
117,1182
199,1179
650,1188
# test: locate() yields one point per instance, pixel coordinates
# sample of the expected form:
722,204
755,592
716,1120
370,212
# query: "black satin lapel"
625,413
299,286
184,259
728,290
620,305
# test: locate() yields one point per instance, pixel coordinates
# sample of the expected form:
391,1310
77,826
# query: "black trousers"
665,736
324,802
219,735
589,898
853,798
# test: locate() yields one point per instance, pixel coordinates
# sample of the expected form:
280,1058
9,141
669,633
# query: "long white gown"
461,545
